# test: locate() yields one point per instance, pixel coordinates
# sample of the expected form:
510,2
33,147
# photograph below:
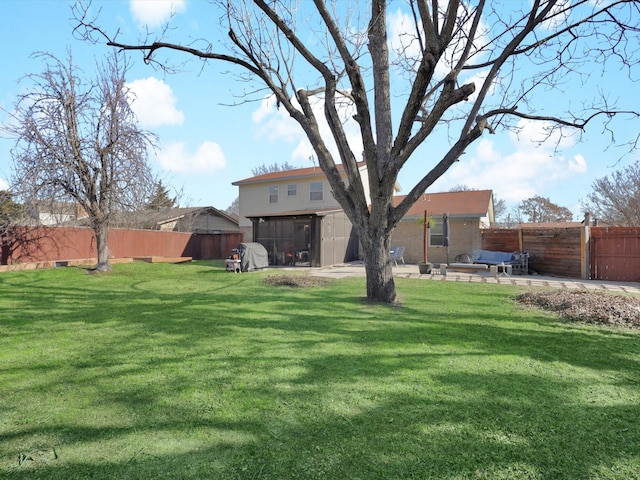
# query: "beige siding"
213,223
203,223
254,199
338,243
247,233
169,226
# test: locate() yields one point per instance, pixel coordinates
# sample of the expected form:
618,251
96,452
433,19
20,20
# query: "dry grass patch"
587,306
295,281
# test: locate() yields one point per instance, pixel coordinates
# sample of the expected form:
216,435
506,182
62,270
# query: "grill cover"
253,256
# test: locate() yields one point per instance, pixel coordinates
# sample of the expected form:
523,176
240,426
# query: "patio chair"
396,255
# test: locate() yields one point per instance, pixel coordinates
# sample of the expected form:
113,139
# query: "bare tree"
77,140
10,211
234,208
499,208
460,66
615,199
274,167
539,209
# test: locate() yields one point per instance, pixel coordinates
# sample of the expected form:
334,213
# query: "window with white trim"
292,190
436,238
316,191
273,194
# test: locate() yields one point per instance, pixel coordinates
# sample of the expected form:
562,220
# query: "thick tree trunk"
101,233
4,249
380,284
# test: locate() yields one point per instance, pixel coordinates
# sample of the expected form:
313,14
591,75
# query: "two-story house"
294,214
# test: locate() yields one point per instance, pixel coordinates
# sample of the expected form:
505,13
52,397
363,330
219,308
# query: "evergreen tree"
161,198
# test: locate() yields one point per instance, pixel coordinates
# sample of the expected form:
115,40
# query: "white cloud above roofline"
176,157
526,169
153,13
154,103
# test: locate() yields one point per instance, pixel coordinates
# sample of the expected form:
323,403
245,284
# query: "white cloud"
402,34
403,40
533,133
154,13
531,169
478,80
558,15
209,157
154,103
3,185
276,124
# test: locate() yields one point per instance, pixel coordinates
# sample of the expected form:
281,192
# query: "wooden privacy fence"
615,253
598,253
46,244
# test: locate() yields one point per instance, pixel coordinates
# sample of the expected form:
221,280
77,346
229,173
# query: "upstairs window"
316,191
273,194
292,190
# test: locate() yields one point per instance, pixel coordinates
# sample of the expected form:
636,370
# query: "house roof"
469,203
171,214
292,213
297,173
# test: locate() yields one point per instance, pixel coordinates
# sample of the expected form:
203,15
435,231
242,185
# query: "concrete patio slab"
411,271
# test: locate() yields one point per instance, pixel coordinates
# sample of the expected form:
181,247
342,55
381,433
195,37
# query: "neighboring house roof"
298,173
153,219
172,214
469,203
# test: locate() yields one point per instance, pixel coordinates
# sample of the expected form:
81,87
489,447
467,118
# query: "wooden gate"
615,253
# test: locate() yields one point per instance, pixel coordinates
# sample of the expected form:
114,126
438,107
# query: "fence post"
585,257
520,240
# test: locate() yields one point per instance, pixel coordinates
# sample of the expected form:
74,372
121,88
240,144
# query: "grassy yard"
159,371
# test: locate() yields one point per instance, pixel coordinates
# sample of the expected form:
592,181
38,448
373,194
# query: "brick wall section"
464,238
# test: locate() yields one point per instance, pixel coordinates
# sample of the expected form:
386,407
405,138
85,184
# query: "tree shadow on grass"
197,385
495,429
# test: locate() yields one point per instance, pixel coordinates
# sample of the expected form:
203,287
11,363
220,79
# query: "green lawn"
159,371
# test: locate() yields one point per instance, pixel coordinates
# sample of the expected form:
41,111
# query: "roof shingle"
469,203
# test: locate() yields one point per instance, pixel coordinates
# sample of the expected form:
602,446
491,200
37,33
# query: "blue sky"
205,144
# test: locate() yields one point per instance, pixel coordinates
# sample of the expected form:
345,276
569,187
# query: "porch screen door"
302,242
